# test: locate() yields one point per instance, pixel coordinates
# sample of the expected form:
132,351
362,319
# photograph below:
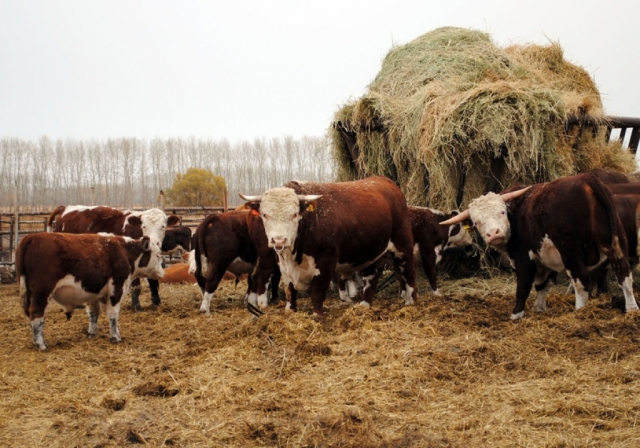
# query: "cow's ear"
173,220
146,244
134,221
308,206
253,207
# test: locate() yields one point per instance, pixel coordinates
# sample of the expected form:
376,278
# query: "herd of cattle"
310,234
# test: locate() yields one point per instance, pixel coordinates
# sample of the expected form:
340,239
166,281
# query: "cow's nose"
278,243
493,233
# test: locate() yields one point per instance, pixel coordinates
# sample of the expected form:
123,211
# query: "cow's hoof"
517,316
114,340
92,335
156,300
364,304
136,307
409,301
205,312
42,347
437,293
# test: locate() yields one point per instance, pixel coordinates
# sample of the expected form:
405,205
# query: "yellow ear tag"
467,227
310,208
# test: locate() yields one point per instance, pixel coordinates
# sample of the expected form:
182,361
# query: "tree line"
130,172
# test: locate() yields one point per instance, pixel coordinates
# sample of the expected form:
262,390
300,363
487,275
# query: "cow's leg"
93,311
113,311
622,270
261,279
292,297
343,289
542,283
319,287
525,276
274,282
405,262
35,311
154,286
135,295
216,272
429,262
370,277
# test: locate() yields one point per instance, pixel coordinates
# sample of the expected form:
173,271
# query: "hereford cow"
568,224
82,219
78,270
317,229
228,242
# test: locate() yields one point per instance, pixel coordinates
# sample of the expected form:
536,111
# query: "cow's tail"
20,277
605,197
201,243
52,217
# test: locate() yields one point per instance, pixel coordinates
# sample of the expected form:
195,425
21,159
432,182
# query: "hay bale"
452,112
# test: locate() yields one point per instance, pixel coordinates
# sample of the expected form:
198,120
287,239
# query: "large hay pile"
451,106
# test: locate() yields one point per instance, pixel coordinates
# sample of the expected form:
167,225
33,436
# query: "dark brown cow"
83,219
568,224
225,242
431,239
317,229
83,269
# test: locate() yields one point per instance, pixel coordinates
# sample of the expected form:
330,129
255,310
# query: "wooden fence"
16,225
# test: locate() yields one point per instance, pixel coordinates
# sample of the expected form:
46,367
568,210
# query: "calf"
225,242
81,269
567,224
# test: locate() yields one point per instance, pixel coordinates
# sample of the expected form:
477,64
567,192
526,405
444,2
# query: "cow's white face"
489,215
154,225
280,213
153,267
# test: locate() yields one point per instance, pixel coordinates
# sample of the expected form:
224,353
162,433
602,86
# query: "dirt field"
452,371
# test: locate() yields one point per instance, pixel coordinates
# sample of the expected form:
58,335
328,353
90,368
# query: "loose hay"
451,101
449,371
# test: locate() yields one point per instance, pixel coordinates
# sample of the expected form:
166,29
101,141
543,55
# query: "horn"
514,194
456,219
309,197
251,198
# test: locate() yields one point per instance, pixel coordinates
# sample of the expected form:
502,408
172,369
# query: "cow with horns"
81,269
93,219
567,224
317,229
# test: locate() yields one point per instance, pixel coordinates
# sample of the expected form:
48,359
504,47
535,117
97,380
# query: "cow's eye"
264,216
295,215
502,212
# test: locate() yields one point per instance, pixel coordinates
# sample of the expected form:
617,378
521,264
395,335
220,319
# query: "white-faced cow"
228,242
84,269
176,240
83,219
317,229
567,224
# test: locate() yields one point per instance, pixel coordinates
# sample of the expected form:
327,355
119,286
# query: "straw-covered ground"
451,371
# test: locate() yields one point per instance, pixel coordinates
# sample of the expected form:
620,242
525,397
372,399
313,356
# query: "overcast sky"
244,69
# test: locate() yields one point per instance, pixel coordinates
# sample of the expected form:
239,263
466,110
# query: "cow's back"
76,219
358,216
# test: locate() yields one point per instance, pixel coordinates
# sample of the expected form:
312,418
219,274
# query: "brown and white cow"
568,224
317,229
228,242
176,240
83,269
87,219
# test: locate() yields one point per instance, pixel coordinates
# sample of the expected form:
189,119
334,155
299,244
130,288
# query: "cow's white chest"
548,255
299,275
